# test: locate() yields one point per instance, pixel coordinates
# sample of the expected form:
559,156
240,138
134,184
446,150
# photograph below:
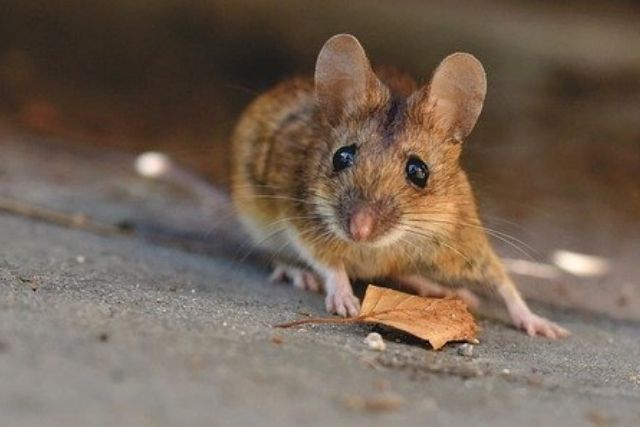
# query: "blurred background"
555,158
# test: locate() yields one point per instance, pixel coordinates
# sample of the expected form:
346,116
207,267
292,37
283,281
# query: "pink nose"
361,223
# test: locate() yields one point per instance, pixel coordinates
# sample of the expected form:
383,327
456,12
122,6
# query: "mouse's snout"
362,222
366,221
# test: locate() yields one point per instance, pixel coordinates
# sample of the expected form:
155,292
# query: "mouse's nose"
362,223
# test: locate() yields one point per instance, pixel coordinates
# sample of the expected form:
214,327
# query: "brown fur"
283,180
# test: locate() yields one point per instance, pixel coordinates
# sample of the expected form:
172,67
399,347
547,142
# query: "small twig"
80,221
76,220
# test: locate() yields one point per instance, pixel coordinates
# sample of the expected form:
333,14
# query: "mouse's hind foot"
534,325
299,277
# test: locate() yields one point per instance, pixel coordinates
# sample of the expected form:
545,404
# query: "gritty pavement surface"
132,330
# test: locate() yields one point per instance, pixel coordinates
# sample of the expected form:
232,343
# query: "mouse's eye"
417,172
344,157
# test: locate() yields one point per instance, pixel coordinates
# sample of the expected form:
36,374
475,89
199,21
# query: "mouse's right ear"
344,79
455,95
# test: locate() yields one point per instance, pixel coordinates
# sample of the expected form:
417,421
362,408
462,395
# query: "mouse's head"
391,165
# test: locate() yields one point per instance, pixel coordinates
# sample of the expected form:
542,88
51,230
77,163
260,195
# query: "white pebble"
375,342
466,350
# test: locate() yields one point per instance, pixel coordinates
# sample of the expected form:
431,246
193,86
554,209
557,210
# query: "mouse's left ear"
454,98
344,80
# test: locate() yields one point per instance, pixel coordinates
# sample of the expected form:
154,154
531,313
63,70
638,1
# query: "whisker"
433,236
272,233
257,245
502,236
412,259
278,197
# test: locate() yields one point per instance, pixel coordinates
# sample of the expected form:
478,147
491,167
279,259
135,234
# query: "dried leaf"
436,320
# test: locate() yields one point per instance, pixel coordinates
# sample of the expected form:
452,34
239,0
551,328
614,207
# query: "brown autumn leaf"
436,320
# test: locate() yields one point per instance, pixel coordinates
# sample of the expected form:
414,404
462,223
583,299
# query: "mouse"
354,174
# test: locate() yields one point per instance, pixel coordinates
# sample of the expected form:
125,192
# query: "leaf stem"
316,320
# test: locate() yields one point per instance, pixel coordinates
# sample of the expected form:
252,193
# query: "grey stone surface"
116,330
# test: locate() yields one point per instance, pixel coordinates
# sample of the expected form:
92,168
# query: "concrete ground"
166,326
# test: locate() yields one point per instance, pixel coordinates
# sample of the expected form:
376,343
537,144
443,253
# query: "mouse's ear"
456,94
344,79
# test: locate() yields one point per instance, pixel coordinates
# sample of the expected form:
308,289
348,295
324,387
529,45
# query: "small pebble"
466,350
80,259
375,342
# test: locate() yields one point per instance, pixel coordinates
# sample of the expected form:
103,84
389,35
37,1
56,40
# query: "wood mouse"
356,175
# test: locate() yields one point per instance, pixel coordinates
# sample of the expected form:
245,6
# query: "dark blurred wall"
560,133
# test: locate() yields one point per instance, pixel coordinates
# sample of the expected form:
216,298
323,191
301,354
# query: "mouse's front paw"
343,304
535,325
